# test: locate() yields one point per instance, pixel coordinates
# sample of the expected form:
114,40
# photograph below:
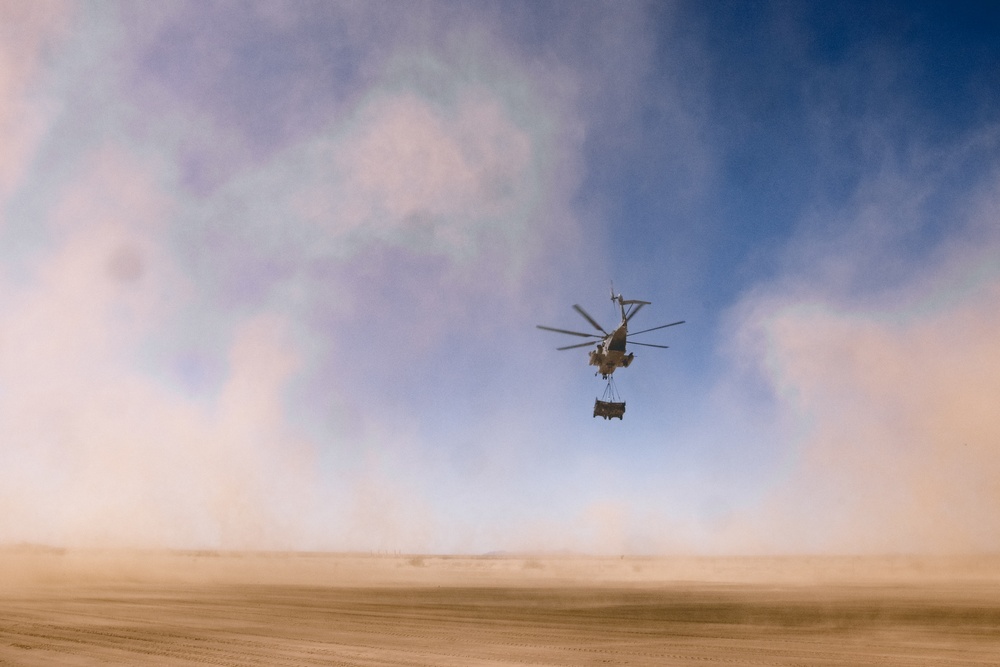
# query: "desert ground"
224,608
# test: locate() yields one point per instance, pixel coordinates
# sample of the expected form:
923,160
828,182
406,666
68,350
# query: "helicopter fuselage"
610,353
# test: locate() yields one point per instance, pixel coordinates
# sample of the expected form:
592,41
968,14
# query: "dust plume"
219,316
98,447
27,33
888,394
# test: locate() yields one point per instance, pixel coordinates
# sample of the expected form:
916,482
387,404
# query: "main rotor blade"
590,319
662,326
637,309
632,342
571,333
570,347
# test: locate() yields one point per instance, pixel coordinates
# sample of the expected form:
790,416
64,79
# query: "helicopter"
610,351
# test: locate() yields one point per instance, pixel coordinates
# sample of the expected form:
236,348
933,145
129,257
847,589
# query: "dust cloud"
100,446
889,402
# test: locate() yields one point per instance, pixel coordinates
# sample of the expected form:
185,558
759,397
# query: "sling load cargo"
610,405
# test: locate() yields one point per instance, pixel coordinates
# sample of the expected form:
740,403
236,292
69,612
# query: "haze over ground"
269,275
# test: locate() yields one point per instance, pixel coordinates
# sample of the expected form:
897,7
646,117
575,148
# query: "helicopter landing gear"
610,405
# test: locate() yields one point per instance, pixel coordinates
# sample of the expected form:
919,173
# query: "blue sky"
269,275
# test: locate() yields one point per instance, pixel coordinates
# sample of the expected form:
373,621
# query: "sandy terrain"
79,608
